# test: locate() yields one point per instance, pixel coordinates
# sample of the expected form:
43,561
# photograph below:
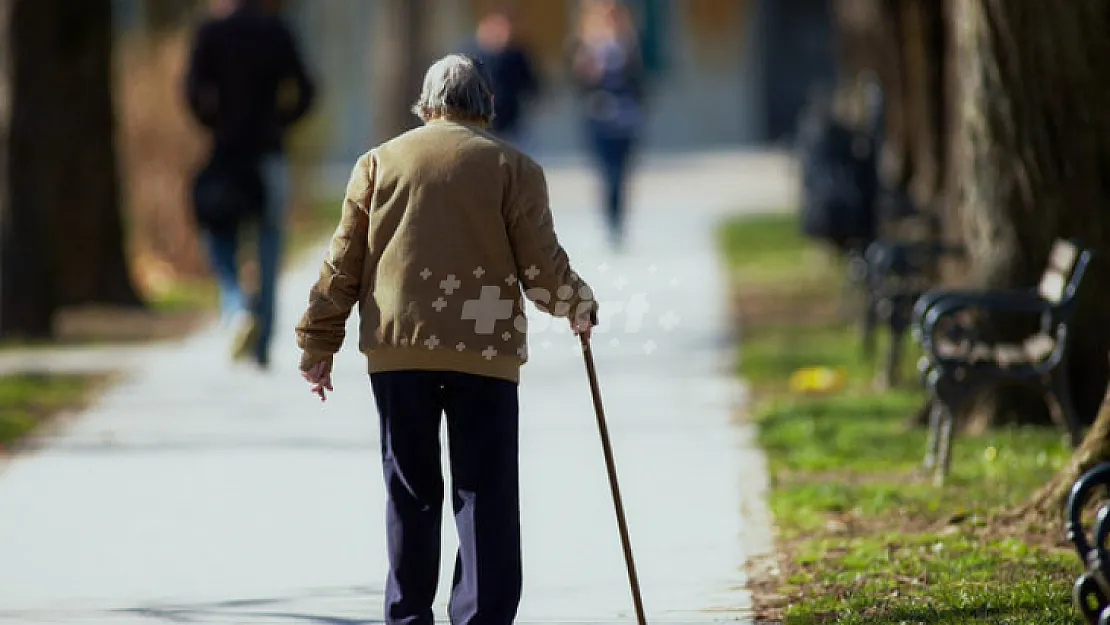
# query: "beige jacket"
443,229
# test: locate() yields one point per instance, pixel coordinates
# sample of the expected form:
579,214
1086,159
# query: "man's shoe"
616,241
246,338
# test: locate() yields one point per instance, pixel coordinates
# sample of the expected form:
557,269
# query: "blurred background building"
725,73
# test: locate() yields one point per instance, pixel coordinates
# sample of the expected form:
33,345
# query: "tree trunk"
904,43
908,45
925,59
167,15
27,303
1032,150
61,230
69,46
995,119
1048,503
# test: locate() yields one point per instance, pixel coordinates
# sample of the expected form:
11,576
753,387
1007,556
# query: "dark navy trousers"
482,433
614,155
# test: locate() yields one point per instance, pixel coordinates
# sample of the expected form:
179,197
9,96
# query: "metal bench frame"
951,381
898,274
1091,591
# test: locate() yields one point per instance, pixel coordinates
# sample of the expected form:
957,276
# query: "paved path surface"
201,492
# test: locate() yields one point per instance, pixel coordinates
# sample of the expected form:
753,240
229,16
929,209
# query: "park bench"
899,267
898,274
960,358
1092,588
891,206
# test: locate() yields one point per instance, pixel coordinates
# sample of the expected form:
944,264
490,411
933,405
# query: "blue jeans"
223,251
613,152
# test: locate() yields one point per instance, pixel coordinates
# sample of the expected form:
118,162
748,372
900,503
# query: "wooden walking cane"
611,467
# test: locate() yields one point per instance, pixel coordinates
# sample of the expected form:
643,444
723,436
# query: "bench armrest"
970,298
997,301
1012,303
1078,495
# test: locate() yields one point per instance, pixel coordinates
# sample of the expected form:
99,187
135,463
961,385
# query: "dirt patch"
124,325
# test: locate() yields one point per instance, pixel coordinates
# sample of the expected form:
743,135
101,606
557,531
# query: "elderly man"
443,227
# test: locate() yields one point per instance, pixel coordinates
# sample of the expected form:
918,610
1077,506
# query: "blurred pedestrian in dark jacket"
510,68
247,84
608,70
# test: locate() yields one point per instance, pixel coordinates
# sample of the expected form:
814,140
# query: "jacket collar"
456,121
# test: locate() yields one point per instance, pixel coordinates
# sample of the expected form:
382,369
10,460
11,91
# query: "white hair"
456,86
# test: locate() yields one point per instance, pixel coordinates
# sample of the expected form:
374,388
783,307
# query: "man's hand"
319,379
582,325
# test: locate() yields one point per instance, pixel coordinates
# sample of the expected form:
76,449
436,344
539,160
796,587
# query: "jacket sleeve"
321,329
200,88
543,267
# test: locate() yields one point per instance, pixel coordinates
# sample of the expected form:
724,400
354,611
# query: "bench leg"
944,445
947,396
1089,597
890,376
1104,585
854,281
867,325
932,441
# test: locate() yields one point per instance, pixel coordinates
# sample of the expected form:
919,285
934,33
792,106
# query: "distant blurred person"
609,73
247,84
510,68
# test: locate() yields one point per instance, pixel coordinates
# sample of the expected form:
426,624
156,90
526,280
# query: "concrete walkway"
201,492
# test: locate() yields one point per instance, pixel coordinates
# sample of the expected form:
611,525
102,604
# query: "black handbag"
227,192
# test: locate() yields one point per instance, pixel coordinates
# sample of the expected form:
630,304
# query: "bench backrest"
1061,264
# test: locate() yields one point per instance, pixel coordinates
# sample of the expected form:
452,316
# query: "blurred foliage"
168,15
768,250
27,400
160,147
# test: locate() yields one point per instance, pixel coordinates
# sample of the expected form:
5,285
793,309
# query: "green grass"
865,528
761,239
866,433
314,224
185,295
864,535
772,352
27,400
768,248
931,578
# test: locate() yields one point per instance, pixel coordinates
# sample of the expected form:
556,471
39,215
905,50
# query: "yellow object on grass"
817,380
